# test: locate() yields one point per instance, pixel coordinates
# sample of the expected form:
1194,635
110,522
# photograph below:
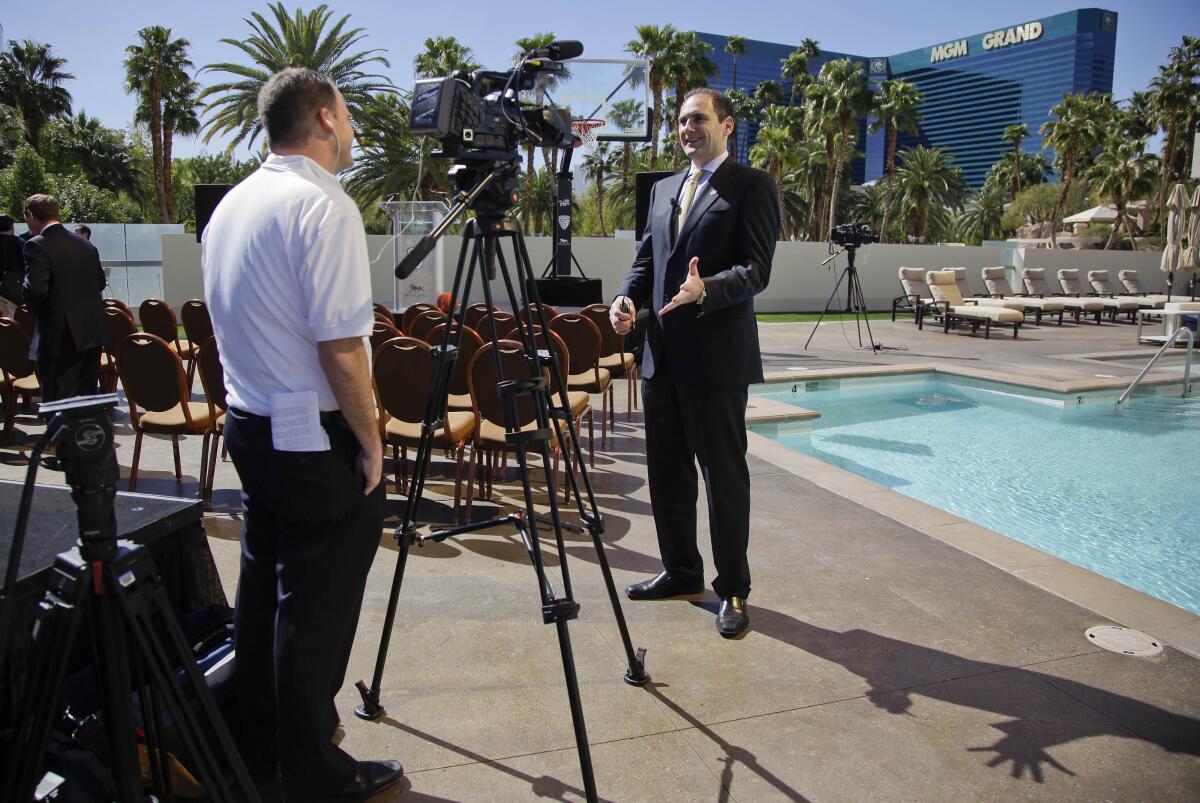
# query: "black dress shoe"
663,586
371,779
732,618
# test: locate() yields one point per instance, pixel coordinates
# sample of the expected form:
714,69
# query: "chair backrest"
543,342
412,311
912,280
1035,281
960,281
382,309
582,340
152,374
197,325
14,350
504,321
549,311
1100,282
212,374
158,319
1129,278
943,288
422,323
25,320
1069,279
119,304
610,342
483,380
382,333
404,378
475,313
996,282
120,326
470,343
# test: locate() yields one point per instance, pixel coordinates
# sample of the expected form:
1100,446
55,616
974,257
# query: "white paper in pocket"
296,423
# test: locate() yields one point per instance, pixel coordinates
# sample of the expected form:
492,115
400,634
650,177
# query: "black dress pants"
308,539
74,374
686,423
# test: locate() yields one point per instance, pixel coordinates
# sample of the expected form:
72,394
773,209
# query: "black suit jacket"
733,227
12,267
63,283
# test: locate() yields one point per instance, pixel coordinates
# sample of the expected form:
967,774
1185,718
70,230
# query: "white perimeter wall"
798,281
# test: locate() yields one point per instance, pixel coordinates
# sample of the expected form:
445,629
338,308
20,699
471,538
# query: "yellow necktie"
689,194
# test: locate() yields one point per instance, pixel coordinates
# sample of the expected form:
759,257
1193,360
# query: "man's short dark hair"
289,101
722,105
42,207
83,229
6,223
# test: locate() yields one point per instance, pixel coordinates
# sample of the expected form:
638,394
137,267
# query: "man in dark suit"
63,282
12,268
706,252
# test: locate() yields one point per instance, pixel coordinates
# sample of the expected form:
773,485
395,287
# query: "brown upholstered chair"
412,311
404,369
18,376
422,323
548,310
489,436
381,309
120,326
158,319
159,400
117,303
583,342
579,400
212,379
613,357
197,325
475,313
460,392
382,333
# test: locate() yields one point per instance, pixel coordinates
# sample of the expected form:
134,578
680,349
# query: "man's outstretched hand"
621,314
689,291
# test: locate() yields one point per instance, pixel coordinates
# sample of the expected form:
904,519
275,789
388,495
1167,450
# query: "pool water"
1113,491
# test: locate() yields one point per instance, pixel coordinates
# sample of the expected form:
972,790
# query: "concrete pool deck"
894,653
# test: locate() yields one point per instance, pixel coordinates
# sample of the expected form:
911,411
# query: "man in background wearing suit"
12,268
63,282
706,252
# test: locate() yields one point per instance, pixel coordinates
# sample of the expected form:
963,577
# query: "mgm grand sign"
991,41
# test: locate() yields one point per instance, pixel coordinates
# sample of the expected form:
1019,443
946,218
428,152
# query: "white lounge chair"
1133,287
1036,286
912,282
1104,287
1072,286
949,305
960,281
996,282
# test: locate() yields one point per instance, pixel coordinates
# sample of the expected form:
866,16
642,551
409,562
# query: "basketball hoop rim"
583,128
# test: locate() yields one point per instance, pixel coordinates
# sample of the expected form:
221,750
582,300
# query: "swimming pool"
1114,492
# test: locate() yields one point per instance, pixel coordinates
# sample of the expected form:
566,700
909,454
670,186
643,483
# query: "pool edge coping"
1101,595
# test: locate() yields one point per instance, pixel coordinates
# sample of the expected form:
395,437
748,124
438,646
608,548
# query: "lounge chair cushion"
945,291
173,422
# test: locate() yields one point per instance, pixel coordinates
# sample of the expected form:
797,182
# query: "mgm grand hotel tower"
971,87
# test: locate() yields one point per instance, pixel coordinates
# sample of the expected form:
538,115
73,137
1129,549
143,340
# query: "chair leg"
592,435
458,466
471,479
178,464
204,463
396,466
137,454
212,466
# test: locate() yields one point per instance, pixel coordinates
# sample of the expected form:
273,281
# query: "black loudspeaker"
207,198
569,291
641,186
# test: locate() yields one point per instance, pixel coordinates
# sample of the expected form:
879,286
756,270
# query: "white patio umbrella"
1097,214
1176,203
1189,258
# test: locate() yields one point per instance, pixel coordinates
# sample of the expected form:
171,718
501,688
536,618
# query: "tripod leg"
832,295
860,299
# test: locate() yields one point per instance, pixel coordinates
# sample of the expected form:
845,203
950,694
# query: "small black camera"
852,235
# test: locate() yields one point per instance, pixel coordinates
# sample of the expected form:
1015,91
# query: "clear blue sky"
92,36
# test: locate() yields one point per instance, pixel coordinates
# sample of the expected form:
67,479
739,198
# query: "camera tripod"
110,590
856,303
490,197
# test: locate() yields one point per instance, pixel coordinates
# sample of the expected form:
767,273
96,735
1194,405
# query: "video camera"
852,235
479,116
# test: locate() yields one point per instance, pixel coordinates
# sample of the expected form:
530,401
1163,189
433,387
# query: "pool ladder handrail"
1187,364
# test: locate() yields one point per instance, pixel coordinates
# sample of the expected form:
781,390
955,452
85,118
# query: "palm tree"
101,154
598,166
388,153
896,108
540,202
31,79
1173,97
445,54
1032,167
626,114
773,147
848,100
744,110
300,40
689,65
1013,135
179,117
735,46
981,217
1076,130
929,185
868,205
154,69
654,43
794,66
1121,173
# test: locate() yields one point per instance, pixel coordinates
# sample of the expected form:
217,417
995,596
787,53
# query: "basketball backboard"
616,91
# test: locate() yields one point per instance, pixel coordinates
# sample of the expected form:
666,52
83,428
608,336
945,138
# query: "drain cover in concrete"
1123,640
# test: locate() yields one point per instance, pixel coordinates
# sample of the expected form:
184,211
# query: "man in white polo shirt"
286,278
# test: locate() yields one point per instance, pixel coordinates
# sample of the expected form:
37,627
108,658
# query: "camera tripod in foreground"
850,237
110,591
488,189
